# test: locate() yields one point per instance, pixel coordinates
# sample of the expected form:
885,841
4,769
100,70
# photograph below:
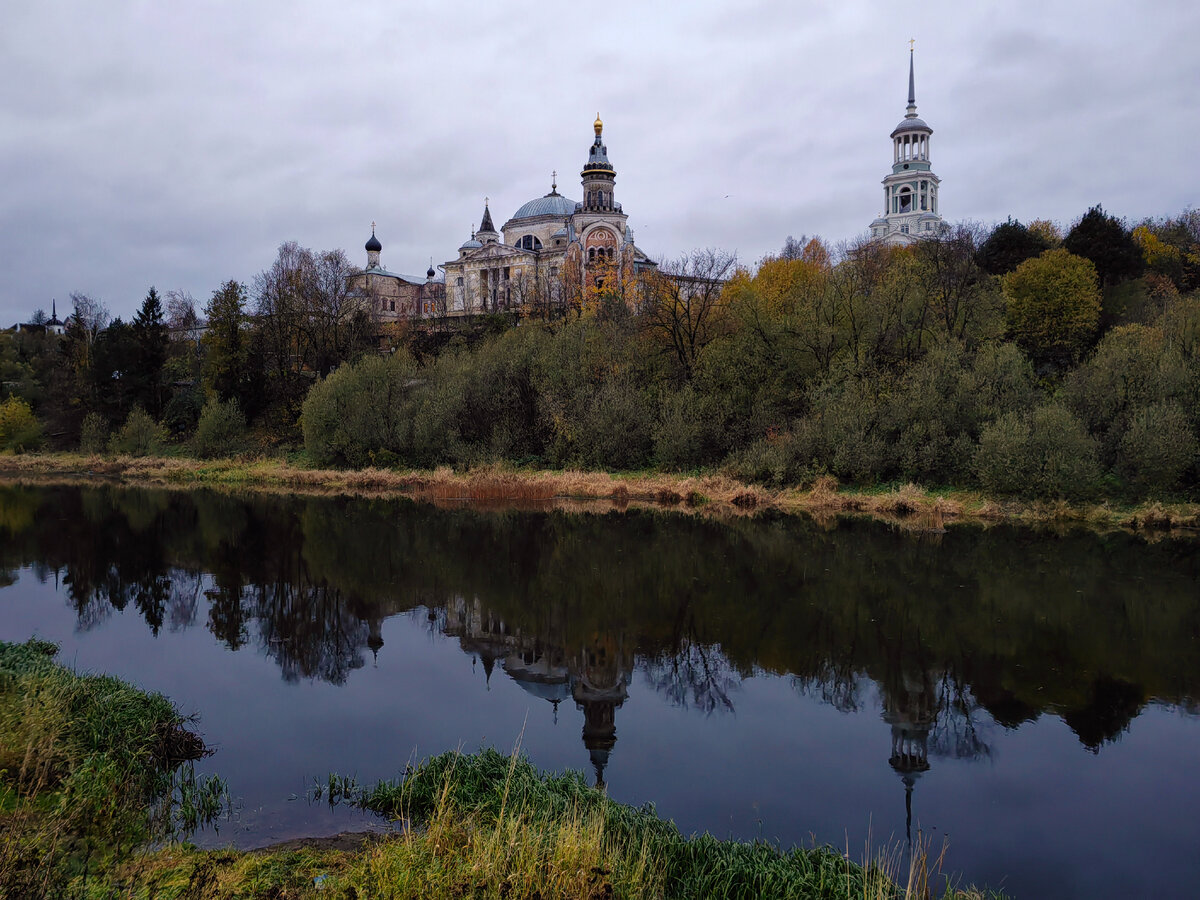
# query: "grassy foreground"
909,506
90,769
89,787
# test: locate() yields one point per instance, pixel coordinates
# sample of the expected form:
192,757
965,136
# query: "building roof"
379,270
552,204
486,224
911,123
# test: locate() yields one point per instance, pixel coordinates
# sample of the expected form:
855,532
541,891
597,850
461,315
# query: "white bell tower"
910,192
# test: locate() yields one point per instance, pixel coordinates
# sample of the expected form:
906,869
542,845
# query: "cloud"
179,145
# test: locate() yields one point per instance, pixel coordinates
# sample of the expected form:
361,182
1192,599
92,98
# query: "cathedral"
550,247
910,192
550,251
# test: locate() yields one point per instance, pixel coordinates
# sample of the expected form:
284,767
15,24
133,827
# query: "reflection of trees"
308,630
834,684
693,676
1013,622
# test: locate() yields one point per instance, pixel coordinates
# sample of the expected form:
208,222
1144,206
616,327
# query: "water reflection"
979,630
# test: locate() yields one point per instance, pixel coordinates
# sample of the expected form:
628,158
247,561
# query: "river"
1030,696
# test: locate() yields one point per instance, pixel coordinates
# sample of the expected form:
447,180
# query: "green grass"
90,769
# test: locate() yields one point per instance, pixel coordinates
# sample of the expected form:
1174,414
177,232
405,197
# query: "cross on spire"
911,41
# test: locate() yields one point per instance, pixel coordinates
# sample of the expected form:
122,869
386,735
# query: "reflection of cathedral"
595,675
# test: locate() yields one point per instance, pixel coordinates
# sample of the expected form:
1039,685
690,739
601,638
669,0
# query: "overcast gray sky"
179,143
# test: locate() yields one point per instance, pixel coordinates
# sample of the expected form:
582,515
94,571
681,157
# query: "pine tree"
150,335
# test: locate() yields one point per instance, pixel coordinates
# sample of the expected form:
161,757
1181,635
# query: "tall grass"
90,768
522,833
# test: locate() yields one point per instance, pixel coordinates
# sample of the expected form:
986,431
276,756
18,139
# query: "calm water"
1032,696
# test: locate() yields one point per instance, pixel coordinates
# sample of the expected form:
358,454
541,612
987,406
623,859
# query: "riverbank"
86,767
908,506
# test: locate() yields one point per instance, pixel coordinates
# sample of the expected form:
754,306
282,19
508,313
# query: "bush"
1046,453
1157,448
182,412
360,412
221,430
689,431
93,433
139,436
19,428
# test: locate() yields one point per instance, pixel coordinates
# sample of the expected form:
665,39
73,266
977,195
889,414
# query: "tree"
309,320
113,371
1053,304
1009,245
962,300
682,304
150,335
1103,239
226,342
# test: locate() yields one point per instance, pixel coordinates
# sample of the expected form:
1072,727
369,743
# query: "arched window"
906,203
529,242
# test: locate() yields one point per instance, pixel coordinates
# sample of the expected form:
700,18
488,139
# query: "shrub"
221,430
689,430
1046,453
19,428
359,411
93,433
1157,448
182,412
139,436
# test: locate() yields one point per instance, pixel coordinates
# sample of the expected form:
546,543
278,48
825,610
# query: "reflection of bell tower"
375,635
599,690
910,710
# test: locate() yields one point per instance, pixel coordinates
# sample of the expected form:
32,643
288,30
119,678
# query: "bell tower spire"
912,90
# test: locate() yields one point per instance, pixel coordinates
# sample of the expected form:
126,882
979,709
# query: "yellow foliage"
1159,255
1046,230
785,284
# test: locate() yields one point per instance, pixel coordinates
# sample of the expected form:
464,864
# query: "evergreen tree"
1009,245
1103,239
226,362
150,337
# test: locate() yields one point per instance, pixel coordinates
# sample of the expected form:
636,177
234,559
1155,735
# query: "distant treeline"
1019,360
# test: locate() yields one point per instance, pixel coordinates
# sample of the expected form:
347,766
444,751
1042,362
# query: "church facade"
550,250
910,191
390,296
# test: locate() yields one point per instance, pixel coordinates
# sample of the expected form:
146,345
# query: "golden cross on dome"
911,41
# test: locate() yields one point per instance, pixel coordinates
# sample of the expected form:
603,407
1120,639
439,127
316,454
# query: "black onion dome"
373,245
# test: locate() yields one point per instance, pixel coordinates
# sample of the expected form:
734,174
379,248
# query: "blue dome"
471,244
551,205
